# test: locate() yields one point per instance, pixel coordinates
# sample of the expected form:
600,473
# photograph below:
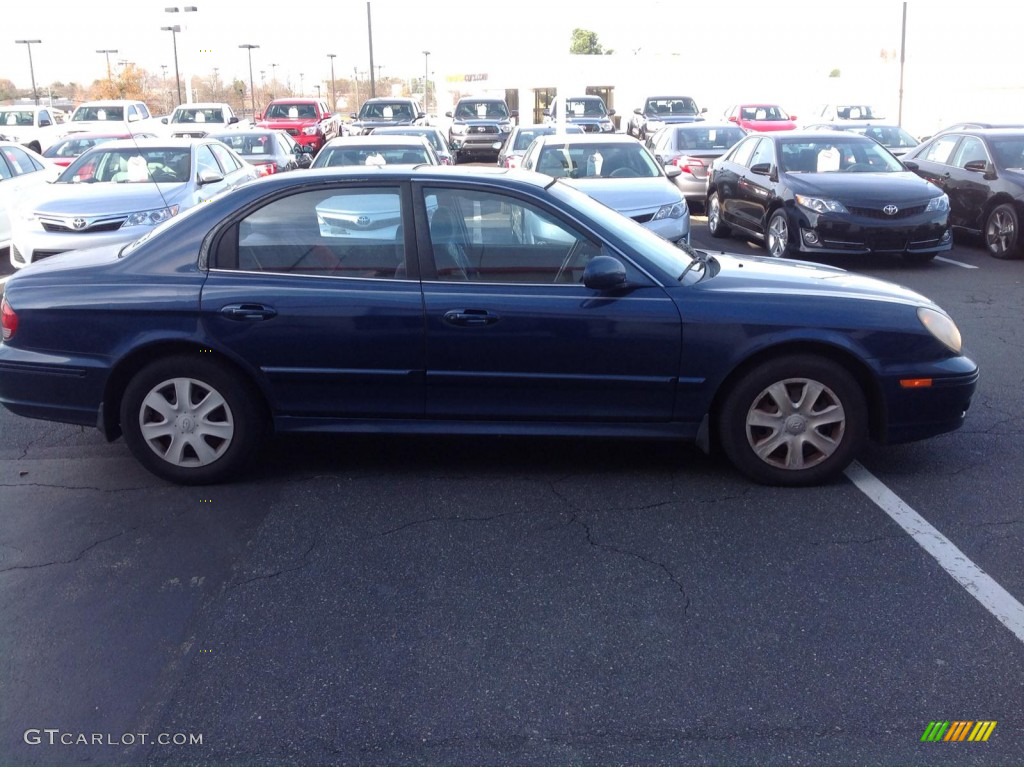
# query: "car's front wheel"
797,420
1002,232
716,226
191,421
777,236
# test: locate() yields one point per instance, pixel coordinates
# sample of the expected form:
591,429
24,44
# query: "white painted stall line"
957,263
997,601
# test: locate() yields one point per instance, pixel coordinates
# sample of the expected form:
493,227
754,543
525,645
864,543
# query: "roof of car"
154,143
589,138
374,140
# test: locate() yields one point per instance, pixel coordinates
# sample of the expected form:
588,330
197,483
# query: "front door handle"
470,317
248,312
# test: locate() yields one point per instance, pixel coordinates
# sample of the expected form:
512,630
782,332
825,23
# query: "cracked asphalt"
458,601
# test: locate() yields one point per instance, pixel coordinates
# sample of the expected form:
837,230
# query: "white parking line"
979,584
954,261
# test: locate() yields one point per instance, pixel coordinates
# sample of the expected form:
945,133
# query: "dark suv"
479,127
382,111
588,112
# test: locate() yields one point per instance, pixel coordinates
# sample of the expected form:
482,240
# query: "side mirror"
209,177
910,165
163,120
611,111
232,120
547,113
703,110
672,171
258,116
792,117
353,115
514,113
979,166
448,114
761,169
733,119
638,111
44,123
604,273
134,118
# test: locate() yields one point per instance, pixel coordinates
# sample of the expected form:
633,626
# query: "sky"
723,42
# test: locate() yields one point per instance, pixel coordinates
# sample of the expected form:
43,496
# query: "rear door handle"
470,317
248,312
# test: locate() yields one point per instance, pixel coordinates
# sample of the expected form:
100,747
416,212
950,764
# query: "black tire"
208,442
765,421
716,226
776,236
1002,232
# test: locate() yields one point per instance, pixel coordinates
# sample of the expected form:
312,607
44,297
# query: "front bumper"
919,413
859,233
36,243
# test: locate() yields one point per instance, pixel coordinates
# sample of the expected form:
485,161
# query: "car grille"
109,225
590,128
192,135
878,213
643,218
483,129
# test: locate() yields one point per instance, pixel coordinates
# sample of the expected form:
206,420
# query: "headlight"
941,326
311,130
150,218
505,127
940,203
606,125
674,211
821,204
458,129
653,125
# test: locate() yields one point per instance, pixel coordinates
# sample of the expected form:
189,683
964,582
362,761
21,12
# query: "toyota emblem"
78,223
363,221
890,210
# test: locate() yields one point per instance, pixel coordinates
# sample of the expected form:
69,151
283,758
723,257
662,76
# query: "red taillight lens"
691,165
266,169
8,320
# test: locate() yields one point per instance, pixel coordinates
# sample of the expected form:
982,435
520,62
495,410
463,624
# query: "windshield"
75,146
291,111
248,143
888,136
657,249
99,114
594,161
436,139
585,108
196,115
852,155
129,166
386,110
481,110
15,117
855,112
699,137
763,112
670,106
1008,152
332,157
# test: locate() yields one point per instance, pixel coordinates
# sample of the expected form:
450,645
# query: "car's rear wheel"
797,420
716,226
777,236
1002,232
191,421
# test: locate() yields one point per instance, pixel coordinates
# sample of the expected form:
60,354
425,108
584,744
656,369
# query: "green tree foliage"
834,73
584,41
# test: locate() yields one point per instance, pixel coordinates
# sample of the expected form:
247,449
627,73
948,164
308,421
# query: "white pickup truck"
113,116
35,127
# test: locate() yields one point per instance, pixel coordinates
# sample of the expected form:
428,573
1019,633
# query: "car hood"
766,275
384,121
106,198
481,120
628,195
902,186
765,126
672,119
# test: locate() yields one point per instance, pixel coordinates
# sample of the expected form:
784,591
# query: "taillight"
8,320
691,165
266,169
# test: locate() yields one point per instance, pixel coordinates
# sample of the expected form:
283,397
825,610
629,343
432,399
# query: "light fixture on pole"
252,90
426,75
108,51
31,68
177,75
184,63
334,89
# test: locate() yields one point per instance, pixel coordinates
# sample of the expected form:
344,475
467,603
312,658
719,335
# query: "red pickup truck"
308,121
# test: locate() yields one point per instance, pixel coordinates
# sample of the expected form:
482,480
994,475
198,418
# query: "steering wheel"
620,173
860,168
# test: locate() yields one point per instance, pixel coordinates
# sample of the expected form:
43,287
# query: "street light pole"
369,33
252,90
334,89
177,76
426,74
184,65
109,51
31,68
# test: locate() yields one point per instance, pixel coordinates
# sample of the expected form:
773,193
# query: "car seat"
449,254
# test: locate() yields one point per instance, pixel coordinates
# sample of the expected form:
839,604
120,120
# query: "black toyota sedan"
982,171
828,192
438,300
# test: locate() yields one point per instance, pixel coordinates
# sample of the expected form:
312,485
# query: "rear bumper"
51,387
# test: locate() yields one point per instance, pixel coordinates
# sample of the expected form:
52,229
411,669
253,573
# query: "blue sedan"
466,300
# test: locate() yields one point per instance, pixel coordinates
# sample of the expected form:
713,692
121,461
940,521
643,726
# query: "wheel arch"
131,364
862,374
